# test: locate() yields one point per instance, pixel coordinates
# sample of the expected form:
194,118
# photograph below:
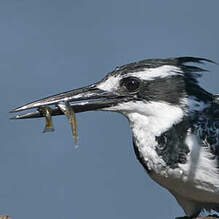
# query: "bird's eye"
131,84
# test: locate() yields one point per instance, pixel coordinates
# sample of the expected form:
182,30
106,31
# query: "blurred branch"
4,217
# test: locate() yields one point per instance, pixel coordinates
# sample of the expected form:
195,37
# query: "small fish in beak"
84,99
47,113
66,108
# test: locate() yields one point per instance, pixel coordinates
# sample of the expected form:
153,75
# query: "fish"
47,113
66,108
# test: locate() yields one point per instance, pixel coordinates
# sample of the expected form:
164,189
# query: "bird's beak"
81,100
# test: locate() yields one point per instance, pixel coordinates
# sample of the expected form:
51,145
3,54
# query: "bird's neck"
147,127
162,125
155,120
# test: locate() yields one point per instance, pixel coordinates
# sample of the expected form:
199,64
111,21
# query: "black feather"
155,63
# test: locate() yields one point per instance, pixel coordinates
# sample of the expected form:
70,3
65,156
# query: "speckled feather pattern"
206,126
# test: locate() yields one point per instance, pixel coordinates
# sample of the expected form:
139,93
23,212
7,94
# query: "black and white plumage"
175,124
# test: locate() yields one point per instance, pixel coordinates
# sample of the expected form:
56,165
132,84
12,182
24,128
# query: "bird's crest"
180,62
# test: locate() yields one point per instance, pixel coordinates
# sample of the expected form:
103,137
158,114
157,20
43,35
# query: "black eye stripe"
131,84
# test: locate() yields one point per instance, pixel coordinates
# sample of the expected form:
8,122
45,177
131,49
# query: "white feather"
196,183
161,72
193,104
110,84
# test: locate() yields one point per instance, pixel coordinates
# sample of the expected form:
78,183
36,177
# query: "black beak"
84,99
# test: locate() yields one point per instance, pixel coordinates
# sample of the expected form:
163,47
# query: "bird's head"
153,88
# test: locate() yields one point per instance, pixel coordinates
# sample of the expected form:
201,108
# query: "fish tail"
48,129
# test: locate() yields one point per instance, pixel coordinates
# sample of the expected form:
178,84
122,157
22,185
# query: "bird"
174,123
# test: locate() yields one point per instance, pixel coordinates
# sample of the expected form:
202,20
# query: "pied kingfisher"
174,122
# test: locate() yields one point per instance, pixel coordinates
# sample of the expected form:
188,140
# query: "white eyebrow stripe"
112,82
152,73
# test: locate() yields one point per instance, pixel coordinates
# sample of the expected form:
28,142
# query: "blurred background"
51,46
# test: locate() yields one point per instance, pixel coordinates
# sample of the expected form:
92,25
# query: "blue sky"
50,46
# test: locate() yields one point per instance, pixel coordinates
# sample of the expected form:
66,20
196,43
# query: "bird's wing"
206,126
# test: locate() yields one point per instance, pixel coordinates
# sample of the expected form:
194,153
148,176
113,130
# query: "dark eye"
131,84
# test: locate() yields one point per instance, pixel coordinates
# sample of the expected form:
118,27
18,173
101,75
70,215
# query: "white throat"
153,119
149,121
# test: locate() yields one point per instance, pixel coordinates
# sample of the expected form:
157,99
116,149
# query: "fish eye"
131,84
